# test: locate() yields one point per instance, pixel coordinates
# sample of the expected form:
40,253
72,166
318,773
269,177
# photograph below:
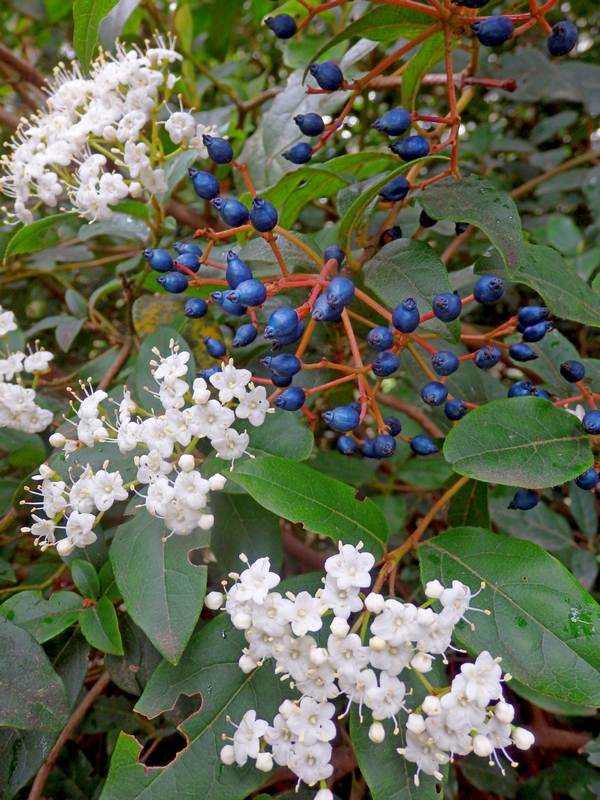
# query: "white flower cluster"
18,409
91,118
363,669
168,440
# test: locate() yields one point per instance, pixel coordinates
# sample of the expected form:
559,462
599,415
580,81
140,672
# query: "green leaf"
469,506
584,509
326,506
540,524
43,619
108,585
552,351
296,189
163,591
37,236
32,696
144,379
410,268
543,623
85,578
100,627
429,54
476,201
177,168
22,449
87,15
559,708
133,669
281,434
209,668
521,441
243,526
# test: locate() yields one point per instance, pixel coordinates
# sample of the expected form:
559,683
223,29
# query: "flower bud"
45,472
213,600
377,644
287,708
206,522
227,754
109,134
422,662
375,603
242,621
324,794
431,706
434,590
318,656
504,712
101,434
57,440
377,733
523,738
247,664
217,482
135,189
64,547
339,627
415,723
186,462
264,762
482,746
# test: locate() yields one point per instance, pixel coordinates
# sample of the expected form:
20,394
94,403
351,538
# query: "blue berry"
522,388
341,419
367,448
522,352
299,153
390,235
340,292
283,26
244,335
232,212
572,371
446,306
356,406
205,184
208,373
249,293
394,122
591,423
286,365
310,124
282,323
488,289
219,150
524,499
173,282
411,148
488,356
541,394
263,215
534,333
380,339
328,75
588,479
188,260
237,270
384,446
425,221
290,338
393,425
531,315
323,312
493,31
188,247
159,260
385,364
235,309
347,445
405,317
214,347
395,190
444,362
195,308
562,38
422,445
291,399
280,382
334,251
434,393
455,409
460,227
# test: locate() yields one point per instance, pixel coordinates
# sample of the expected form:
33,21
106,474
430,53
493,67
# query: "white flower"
246,739
180,126
394,624
107,487
311,762
37,361
79,529
253,406
342,602
11,365
173,366
350,567
153,180
200,391
427,756
387,699
231,382
211,419
306,614
578,411
256,581
7,322
231,445
196,141
311,721
482,680
523,738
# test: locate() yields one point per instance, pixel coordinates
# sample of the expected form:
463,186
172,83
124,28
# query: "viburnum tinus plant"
299,388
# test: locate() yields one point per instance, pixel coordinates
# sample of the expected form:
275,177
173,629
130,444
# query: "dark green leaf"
488,778
281,434
475,200
163,591
100,627
296,189
543,623
326,506
584,509
144,379
469,506
87,15
559,708
176,169
8,487
66,332
521,441
429,54
540,524
243,526
7,573
108,585
37,236
22,449
410,268
552,350
133,669
121,224
85,578
43,619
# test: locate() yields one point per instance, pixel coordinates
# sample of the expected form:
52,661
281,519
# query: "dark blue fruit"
434,393
187,260
237,270
208,373
219,150
524,499
347,445
188,247
385,364
446,306
291,399
205,184
323,312
244,335
380,339
534,333
591,423
572,371
214,347
460,227
531,315
367,448
290,338
334,251
562,38
523,388
328,75
522,352
422,445
425,221
235,309
310,124
384,446
405,317
263,215
395,190
286,365
355,405
195,308
341,419
282,25
299,153
493,31
159,260
280,382
394,122
340,292
588,479
282,323
393,425
455,409
488,289
411,148
173,282
249,293
444,362
390,235
232,212
488,356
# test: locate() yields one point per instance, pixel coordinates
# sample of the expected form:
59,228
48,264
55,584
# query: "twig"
415,413
8,119
28,72
186,215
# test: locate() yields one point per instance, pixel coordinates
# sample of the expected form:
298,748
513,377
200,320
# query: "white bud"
109,134
64,547
339,627
415,723
228,754
431,706
247,664
57,440
135,189
523,738
46,471
287,708
377,733
242,621
422,662
264,762
324,794
504,712
217,482
375,602
206,522
434,590
213,600
482,746
377,644
187,462
318,656
101,435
